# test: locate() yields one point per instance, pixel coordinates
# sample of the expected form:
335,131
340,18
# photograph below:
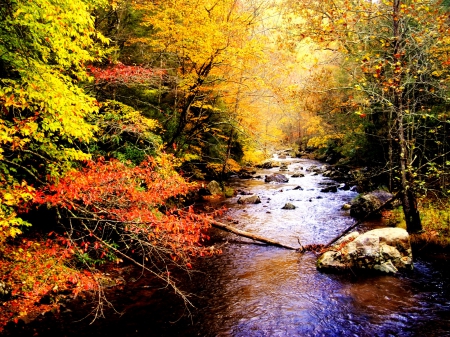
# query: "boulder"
318,169
297,175
385,250
364,204
333,188
246,173
344,187
267,164
254,199
214,187
288,205
276,164
276,177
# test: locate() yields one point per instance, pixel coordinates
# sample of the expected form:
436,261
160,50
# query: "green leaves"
44,47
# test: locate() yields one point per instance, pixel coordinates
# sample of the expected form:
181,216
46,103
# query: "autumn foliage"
121,74
38,270
114,209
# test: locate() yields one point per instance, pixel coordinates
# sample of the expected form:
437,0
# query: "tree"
120,211
44,48
201,54
395,52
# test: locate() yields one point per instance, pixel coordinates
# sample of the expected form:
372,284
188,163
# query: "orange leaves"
112,197
35,268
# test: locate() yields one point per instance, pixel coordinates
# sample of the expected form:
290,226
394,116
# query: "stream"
256,290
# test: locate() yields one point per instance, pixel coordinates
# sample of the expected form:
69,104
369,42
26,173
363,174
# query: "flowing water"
256,290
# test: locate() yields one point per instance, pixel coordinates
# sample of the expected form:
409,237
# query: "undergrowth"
435,216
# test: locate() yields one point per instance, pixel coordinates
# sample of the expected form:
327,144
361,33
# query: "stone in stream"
268,164
214,187
385,250
364,204
297,175
327,189
288,205
283,167
254,199
276,177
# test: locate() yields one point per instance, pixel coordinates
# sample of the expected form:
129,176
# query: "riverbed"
253,289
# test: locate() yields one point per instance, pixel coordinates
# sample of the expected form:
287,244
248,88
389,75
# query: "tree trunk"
248,235
412,218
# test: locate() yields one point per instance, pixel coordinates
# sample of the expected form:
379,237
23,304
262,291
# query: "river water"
256,290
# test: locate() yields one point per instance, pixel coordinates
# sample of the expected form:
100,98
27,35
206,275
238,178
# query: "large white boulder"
385,249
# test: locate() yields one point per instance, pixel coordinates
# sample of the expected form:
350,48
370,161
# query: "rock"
281,156
242,192
229,192
296,188
288,205
297,175
214,187
246,173
364,204
355,189
267,164
283,167
385,250
333,189
276,177
204,191
346,207
344,187
254,199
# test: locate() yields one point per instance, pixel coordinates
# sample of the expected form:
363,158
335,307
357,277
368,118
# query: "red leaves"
120,73
127,200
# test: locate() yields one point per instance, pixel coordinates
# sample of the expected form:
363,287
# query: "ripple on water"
255,290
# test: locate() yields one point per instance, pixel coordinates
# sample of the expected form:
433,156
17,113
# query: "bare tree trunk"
412,217
248,235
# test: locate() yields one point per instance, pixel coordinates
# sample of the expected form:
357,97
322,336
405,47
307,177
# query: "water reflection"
254,290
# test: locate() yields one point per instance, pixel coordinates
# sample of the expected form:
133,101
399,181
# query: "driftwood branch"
387,203
248,235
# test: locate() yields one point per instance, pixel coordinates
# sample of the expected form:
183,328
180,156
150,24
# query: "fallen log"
359,222
248,235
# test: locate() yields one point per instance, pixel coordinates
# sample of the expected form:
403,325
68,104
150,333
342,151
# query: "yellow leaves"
10,197
436,73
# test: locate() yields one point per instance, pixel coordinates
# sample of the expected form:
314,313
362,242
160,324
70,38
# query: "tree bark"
412,218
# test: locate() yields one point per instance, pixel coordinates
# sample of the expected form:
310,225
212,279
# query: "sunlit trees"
394,52
44,47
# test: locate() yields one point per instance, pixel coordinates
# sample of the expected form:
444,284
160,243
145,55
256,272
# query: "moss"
229,192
